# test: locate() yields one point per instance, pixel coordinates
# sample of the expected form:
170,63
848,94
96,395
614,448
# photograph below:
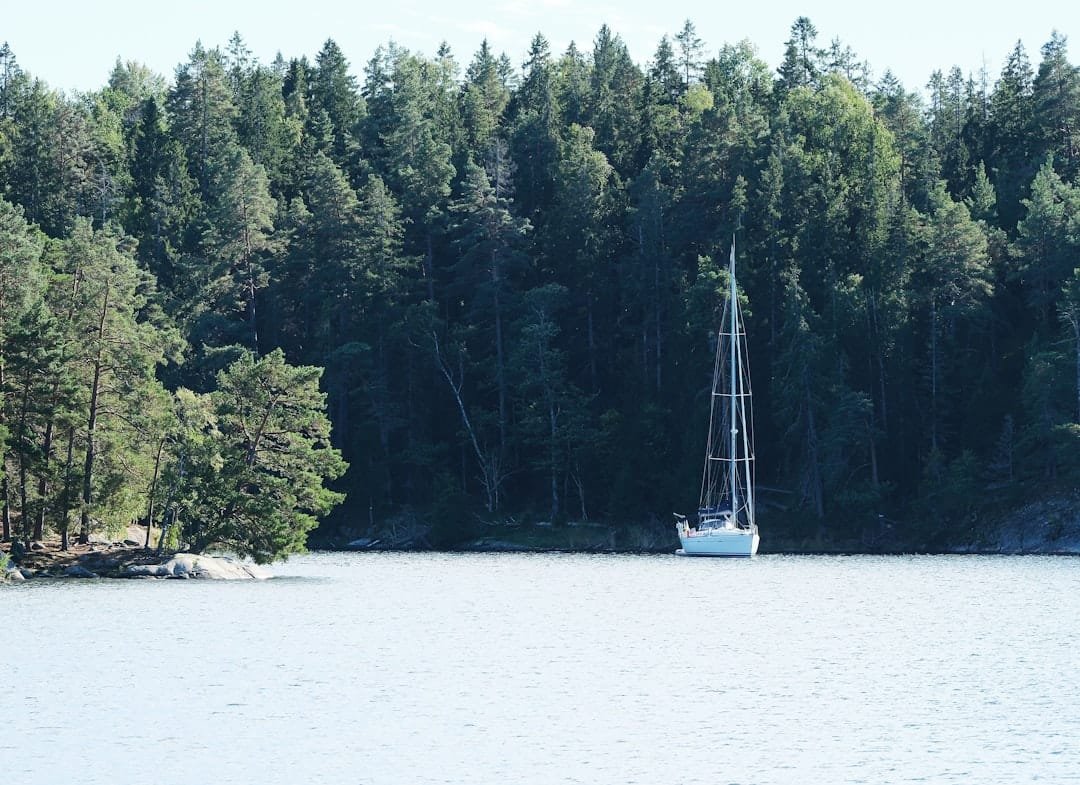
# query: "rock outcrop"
1050,526
125,562
78,571
188,565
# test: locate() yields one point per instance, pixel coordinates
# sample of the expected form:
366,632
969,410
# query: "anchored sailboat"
725,519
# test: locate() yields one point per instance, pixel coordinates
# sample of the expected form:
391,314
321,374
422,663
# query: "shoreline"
1047,527
124,559
1058,534
135,563
958,551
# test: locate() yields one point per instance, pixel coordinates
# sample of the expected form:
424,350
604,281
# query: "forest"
466,292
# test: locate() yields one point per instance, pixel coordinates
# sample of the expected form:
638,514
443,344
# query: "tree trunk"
879,358
580,485
873,452
592,341
251,308
429,267
553,420
553,454
24,412
43,481
168,520
88,464
1075,322
933,376
65,496
153,493
384,416
5,512
91,427
488,467
817,493
50,428
500,373
656,320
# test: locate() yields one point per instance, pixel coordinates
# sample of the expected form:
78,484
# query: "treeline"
512,277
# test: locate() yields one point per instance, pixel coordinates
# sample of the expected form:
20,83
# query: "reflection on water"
436,668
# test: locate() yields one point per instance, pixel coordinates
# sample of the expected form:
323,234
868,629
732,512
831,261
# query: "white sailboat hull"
725,520
719,542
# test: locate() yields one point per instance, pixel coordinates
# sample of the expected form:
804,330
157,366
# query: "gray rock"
12,575
132,543
142,571
78,571
362,544
189,565
1050,525
37,545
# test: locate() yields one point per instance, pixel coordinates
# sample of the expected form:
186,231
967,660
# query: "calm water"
412,669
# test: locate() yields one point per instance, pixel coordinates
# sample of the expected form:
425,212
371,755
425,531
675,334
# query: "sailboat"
725,517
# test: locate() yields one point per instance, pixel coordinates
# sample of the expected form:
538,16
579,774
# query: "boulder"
37,545
362,544
142,571
12,575
189,565
1050,525
78,571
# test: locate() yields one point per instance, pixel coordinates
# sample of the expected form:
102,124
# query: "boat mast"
732,306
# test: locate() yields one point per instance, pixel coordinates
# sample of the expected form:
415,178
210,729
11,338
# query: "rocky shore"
1049,526
120,559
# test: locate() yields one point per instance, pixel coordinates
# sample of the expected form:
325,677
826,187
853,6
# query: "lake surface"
495,668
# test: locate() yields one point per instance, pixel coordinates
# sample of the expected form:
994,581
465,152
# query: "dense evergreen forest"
512,275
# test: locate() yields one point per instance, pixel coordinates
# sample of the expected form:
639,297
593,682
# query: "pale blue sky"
73,44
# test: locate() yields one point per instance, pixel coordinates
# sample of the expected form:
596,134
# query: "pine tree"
547,400
664,75
484,98
200,106
162,201
418,160
334,91
691,49
614,92
490,243
262,127
20,251
802,58
1056,98
955,283
535,130
256,461
1010,134
32,365
239,234
1070,318
1046,249
119,352
578,232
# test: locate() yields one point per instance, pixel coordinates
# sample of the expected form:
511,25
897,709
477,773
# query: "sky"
74,44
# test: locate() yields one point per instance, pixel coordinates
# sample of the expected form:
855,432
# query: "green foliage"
950,498
1047,240
256,454
510,281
